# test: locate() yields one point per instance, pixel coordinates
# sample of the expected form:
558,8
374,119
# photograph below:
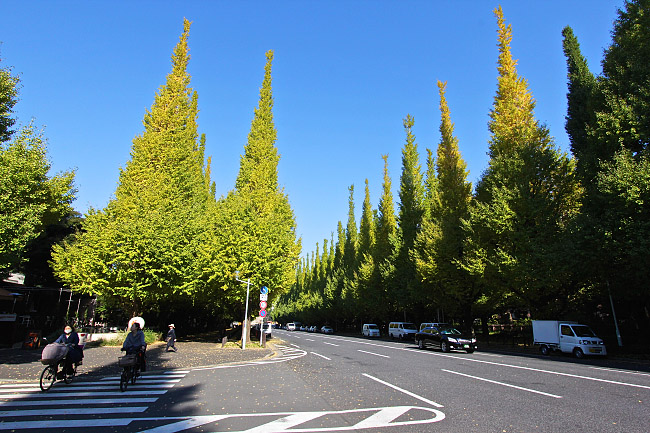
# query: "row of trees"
542,232
164,245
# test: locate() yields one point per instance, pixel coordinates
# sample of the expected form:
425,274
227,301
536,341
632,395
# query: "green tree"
9,90
255,226
528,195
143,246
30,197
409,220
439,247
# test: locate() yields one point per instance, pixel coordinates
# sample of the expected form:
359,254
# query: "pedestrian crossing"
97,397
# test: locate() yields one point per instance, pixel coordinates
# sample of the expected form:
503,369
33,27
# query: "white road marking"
94,388
52,393
409,393
318,354
70,411
472,359
372,353
148,377
289,422
614,370
331,344
288,353
309,339
78,402
503,384
65,424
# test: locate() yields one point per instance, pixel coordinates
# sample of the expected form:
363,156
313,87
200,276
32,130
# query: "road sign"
264,290
264,297
263,305
262,313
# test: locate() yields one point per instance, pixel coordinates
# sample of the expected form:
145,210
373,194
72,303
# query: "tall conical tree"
264,246
527,196
409,220
143,246
581,108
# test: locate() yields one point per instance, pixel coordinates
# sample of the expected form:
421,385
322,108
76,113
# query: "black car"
446,338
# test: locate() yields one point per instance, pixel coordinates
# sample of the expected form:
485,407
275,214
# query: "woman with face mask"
134,343
71,339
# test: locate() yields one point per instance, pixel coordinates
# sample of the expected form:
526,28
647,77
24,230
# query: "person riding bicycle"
71,339
135,344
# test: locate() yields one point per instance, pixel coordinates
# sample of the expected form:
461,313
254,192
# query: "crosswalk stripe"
78,402
145,377
94,388
65,424
70,411
55,393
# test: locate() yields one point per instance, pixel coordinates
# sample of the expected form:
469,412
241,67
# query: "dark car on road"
445,338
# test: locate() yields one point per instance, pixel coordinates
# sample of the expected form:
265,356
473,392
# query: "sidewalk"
18,365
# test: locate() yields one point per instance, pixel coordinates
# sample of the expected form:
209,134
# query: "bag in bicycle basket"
126,360
53,352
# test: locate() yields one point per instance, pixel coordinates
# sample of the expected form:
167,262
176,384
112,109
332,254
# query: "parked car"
445,338
402,330
430,324
303,328
291,326
327,330
370,330
313,328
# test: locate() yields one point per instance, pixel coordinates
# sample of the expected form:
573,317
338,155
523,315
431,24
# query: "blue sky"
345,74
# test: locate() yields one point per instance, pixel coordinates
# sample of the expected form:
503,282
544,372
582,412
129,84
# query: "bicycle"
55,357
131,364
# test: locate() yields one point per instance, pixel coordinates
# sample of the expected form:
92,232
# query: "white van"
431,324
370,330
402,330
291,326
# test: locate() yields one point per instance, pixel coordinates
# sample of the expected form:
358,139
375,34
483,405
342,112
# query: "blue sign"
264,290
262,313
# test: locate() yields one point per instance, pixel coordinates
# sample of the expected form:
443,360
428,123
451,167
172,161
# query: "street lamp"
248,287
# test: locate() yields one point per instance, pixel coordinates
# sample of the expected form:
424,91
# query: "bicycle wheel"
134,374
48,376
67,378
124,379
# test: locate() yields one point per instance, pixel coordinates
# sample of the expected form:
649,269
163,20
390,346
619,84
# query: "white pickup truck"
567,337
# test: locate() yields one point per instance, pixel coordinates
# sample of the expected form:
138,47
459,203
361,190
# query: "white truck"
567,337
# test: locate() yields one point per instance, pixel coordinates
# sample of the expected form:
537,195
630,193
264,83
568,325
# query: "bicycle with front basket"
55,358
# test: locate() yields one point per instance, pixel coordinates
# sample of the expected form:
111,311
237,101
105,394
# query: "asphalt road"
320,383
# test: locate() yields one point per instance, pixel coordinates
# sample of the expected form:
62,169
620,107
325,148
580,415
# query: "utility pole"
245,324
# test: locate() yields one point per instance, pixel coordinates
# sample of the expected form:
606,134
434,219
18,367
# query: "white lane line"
409,393
84,401
503,384
295,345
488,354
372,353
620,371
331,344
309,339
70,411
318,354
